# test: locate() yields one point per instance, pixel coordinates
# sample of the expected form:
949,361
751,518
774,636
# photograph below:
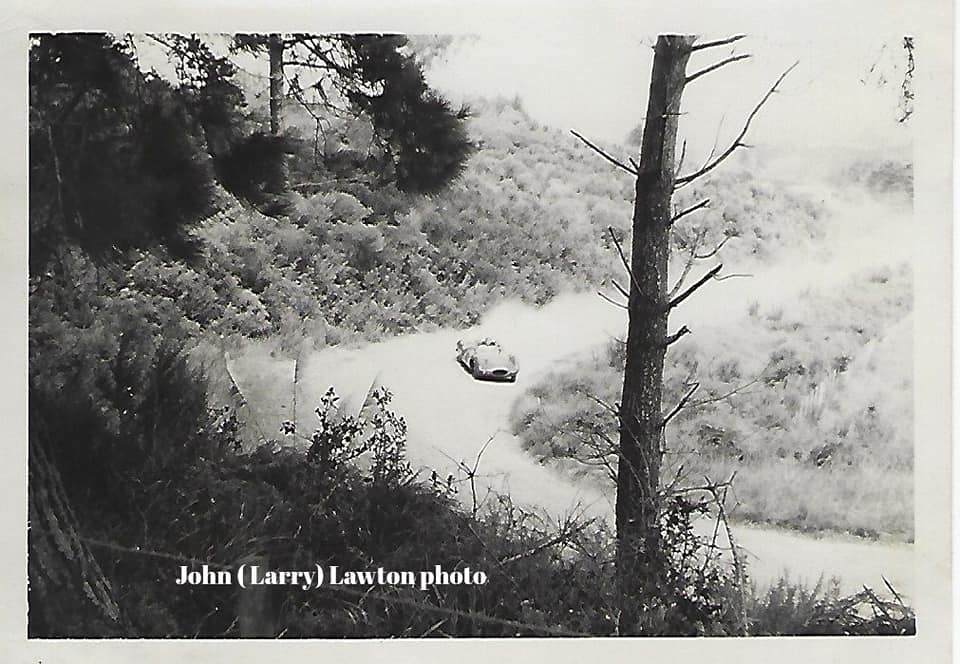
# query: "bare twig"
715,66
673,338
562,537
599,402
725,395
690,291
896,595
688,264
623,257
735,275
719,42
683,155
713,252
738,141
623,291
737,563
716,138
612,160
680,404
693,208
611,300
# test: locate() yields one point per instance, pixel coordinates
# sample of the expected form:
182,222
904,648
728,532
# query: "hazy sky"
587,68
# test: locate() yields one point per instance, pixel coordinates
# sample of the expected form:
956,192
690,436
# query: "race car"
486,360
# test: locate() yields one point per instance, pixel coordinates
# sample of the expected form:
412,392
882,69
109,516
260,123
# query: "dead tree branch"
611,300
738,141
719,42
566,532
737,563
620,288
693,208
683,155
735,275
673,338
727,395
612,160
706,70
680,405
690,291
623,257
713,252
688,264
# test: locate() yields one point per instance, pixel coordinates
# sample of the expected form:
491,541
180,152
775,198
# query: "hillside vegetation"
809,402
528,218
163,234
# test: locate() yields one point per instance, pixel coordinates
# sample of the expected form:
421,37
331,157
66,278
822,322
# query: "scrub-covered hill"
528,218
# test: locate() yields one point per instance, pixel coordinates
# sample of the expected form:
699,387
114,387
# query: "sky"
588,69
586,66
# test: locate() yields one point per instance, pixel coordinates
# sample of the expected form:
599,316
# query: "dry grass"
824,441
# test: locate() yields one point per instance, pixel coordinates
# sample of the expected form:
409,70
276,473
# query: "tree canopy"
123,158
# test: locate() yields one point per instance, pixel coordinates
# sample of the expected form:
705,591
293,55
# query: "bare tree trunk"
276,82
640,560
68,594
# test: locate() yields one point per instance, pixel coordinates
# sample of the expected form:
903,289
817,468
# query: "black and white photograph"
604,323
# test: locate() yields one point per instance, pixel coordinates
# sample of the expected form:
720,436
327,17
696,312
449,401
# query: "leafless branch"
683,155
623,257
673,338
690,291
620,288
708,487
566,533
738,141
719,42
715,66
612,160
735,275
599,401
611,300
693,208
716,138
680,404
688,264
737,564
725,395
713,252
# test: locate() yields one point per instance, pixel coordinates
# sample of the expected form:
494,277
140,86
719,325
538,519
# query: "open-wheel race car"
487,360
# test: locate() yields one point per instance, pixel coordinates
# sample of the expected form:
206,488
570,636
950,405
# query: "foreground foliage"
160,222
